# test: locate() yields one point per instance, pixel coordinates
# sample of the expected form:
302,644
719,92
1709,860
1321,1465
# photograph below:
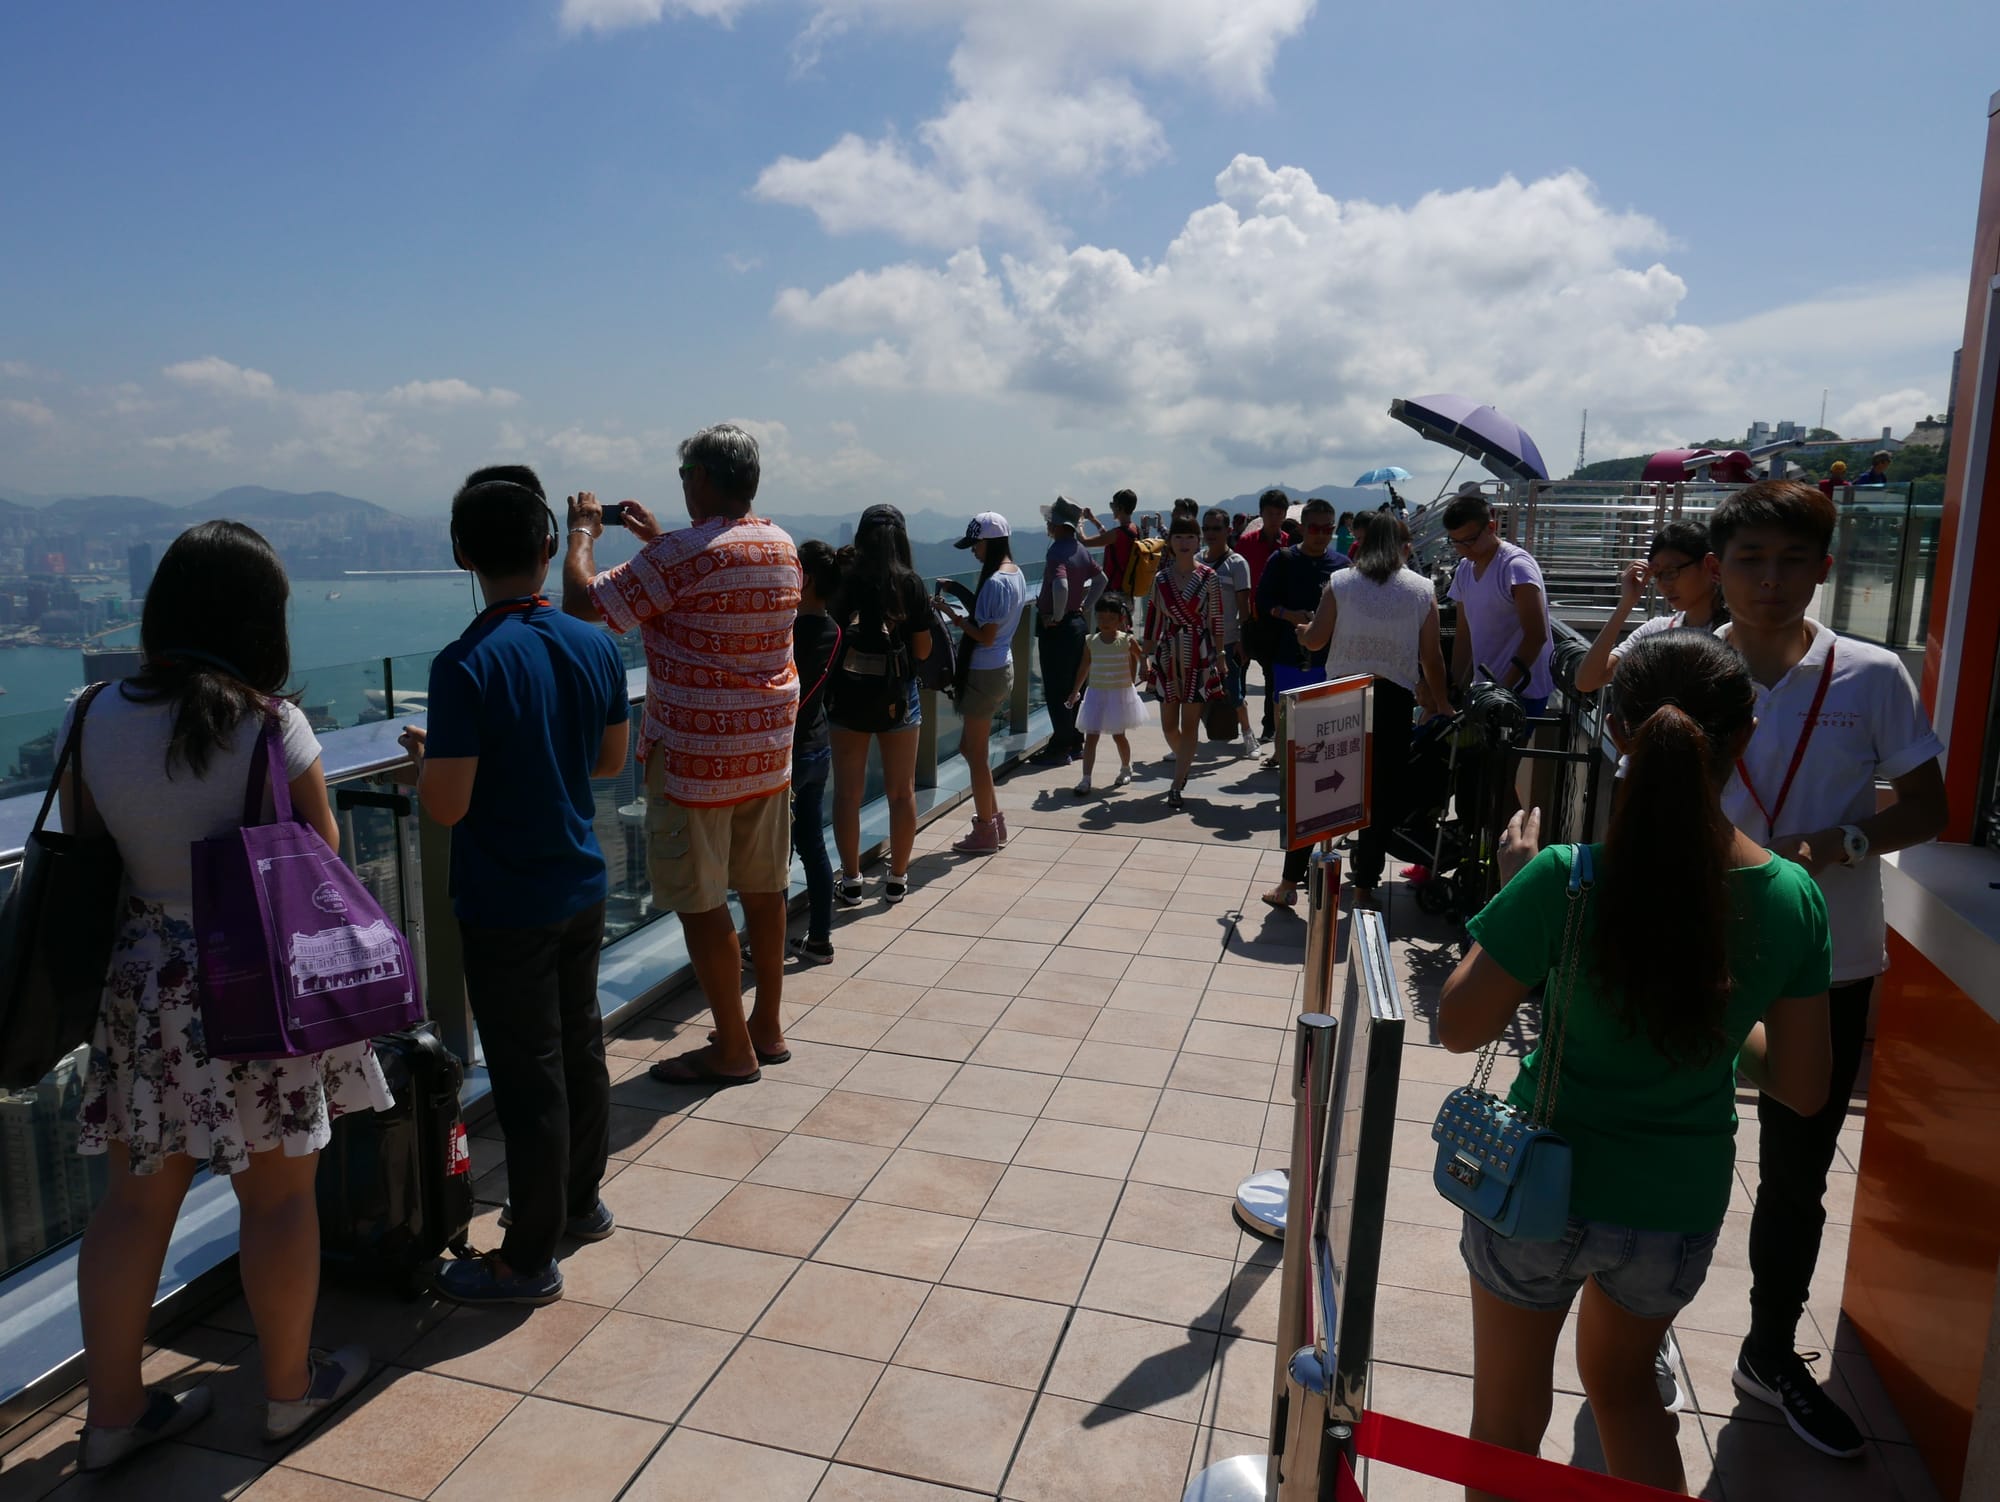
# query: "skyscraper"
138,570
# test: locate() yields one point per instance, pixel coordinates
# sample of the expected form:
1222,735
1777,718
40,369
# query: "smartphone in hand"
614,514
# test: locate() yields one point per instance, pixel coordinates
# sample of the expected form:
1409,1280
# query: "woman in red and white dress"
1184,645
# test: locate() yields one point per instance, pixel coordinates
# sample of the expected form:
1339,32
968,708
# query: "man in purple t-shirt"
1503,631
1071,582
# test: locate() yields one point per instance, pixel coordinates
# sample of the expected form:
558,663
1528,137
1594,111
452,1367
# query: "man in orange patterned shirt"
714,606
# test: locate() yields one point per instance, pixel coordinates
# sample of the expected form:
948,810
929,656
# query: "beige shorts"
695,857
987,691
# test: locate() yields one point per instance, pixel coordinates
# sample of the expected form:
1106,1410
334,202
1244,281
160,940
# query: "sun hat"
983,528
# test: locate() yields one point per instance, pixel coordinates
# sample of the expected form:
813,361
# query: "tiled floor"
973,1241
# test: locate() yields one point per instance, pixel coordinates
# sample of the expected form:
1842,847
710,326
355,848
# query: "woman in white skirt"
164,761
1106,684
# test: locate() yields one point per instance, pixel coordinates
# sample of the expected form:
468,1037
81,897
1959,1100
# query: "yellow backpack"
1148,553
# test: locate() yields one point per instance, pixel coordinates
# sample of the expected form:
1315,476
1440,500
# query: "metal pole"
1024,651
1298,1415
927,755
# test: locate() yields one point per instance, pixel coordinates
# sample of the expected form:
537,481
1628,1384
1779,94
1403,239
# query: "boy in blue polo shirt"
525,708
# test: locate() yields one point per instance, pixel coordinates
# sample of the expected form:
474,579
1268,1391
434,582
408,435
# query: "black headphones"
555,530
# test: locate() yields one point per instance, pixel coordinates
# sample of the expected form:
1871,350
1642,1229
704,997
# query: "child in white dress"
1105,683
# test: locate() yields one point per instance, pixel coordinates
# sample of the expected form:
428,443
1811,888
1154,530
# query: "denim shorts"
1651,1274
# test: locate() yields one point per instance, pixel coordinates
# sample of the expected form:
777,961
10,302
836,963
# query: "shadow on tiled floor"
973,1241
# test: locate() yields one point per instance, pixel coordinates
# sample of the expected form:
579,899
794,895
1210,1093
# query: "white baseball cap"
984,527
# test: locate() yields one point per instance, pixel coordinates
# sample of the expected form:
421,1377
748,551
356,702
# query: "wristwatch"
1853,845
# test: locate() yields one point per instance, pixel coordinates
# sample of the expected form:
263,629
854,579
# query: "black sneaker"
847,891
809,951
1785,1381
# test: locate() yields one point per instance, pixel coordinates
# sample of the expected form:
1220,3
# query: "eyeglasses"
1667,576
689,469
1467,543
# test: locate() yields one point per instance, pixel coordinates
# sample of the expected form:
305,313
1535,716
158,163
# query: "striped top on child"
714,605
1110,662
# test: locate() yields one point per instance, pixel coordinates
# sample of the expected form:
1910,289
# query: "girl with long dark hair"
1659,1019
884,617
996,608
165,762
1682,566
1184,645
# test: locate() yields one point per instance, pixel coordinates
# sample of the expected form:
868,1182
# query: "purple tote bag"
295,955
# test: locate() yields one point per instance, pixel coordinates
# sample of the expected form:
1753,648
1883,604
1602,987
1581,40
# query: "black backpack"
868,683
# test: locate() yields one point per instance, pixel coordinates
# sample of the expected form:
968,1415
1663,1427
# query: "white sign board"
1324,731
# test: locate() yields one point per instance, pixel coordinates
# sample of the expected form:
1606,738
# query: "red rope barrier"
1468,1462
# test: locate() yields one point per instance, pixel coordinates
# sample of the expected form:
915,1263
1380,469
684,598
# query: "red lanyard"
519,605
1798,754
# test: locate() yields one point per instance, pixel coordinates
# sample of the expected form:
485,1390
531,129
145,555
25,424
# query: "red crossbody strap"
1774,813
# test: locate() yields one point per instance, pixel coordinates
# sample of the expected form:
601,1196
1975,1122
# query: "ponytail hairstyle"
1683,700
213,630
823,567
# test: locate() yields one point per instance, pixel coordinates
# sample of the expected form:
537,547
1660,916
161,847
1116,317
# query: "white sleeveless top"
1379,625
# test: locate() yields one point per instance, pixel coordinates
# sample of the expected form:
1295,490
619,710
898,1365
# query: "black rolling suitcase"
395,1186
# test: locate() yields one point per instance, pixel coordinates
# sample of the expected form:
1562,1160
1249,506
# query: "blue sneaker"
595,1224
478,1280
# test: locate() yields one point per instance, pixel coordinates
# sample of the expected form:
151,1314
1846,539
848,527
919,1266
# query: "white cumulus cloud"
616,15
213,373
1899,411
30,411
450,392
210,442
615,453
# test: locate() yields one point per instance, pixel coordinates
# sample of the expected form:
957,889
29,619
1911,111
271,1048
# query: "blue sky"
960,254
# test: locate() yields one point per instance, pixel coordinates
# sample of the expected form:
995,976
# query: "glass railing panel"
410,680
340,694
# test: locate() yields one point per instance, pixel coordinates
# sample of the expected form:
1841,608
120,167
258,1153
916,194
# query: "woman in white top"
1381,618
164,762
1689,577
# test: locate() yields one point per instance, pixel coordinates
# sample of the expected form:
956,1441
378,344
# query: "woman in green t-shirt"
1699,952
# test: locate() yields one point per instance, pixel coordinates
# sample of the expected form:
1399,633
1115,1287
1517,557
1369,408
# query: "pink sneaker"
984,839
1000,825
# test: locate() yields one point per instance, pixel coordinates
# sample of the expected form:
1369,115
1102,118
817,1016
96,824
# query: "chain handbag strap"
1556,999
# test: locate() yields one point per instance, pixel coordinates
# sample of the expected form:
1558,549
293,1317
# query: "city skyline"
963,254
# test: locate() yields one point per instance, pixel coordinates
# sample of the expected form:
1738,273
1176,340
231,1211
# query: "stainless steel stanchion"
1262,1198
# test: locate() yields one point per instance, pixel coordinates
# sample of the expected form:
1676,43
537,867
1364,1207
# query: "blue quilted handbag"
1504,1167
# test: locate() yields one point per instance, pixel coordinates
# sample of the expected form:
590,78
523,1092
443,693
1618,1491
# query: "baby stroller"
1457,777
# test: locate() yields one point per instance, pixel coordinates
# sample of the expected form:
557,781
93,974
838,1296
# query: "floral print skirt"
152,1086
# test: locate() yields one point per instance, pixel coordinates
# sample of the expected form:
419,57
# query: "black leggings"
1395,709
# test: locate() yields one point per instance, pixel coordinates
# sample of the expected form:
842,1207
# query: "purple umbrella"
1477,431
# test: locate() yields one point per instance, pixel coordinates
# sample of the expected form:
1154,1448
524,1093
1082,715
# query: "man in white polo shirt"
1834,717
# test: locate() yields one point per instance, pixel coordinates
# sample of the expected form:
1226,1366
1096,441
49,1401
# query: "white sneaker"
1082,789
166,1414
1251,745
1124,776
331,1378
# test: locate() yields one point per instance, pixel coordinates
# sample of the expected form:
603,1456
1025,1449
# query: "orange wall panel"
1926,1239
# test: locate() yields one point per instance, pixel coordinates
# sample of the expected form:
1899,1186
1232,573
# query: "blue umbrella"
1387,475
1479,432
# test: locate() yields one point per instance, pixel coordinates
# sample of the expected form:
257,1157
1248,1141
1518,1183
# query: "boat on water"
333,594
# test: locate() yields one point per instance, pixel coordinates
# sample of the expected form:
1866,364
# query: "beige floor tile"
511,1346
1177,1220
821,1165
1134,1365
405,1432
1145,1029
663,1200
1030,930
892,1239
762,1218
939,1428
545,1449
634,1132
634,1364
1248,1011
1003,981
1253,1294
1100,1103
1055,1019
1210,1118
821,1064
845,1483
845,1310
1182,942
700,1283
951,1041
1075,1147
1175,1288
1156,1000
933,1181
770,1103
714,1148
786,1395
1121,1064
1213,1446
1157,970
279,1484
906,970
828,1023
1206,1074
879,1120
1072,1454
1240,1385
1209,1167
961,1132
985,1336
1095,963
603,1272
1061,981
885,997
968,1008
696,1467
1079,1204
930,946
1010,953
1026,1263
1258,1045
984,1088
900,1077
1035,1052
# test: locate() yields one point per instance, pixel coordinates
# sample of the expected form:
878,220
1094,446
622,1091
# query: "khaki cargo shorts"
695,857
988,691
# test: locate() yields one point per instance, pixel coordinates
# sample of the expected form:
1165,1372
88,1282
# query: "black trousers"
1395,710
534,996
1794,1153
1061,647
1261,640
